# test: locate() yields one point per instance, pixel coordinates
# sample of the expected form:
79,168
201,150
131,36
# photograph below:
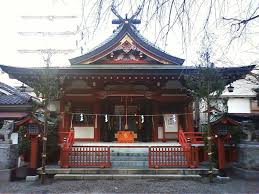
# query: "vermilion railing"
94,156
191,152
68,141
62,136
167,156
194,137
182,138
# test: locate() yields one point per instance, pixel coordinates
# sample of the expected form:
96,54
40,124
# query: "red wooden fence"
170,156
94,156
173,156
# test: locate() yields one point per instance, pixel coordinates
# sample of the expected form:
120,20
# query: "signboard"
171,123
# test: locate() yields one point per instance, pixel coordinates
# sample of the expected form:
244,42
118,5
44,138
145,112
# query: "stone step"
129,150
139,164
139,154
125,176
91,170
128,158
75,154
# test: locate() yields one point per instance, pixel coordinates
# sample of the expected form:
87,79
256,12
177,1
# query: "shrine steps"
129,157
123,176
119,173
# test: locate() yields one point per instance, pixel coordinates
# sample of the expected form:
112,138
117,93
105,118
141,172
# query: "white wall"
239,105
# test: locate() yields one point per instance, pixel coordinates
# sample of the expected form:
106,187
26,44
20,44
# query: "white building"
243,99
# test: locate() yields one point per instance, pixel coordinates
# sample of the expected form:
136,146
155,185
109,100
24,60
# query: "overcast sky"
243,51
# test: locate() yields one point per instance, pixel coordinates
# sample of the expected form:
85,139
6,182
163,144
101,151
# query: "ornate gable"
126,46
127,51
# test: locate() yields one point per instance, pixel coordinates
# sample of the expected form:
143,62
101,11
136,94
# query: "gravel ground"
132,186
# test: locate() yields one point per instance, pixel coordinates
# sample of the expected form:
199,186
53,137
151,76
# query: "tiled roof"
118,34
242,88
230,74
13,96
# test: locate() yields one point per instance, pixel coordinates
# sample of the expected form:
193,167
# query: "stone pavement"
132,186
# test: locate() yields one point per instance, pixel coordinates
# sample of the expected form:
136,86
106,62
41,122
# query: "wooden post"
97,120
189,118
34,152
155,120
221,153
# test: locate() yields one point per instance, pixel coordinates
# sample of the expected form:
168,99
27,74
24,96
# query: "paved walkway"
234,186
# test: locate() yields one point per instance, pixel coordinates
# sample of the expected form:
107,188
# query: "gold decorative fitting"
126,38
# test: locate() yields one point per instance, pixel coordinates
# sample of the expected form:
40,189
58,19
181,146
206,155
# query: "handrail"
185,145
70,139
194,137
182,138
62,135
190,152
67,144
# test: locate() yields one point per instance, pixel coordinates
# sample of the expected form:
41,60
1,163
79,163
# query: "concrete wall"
239,105
8,155
248,155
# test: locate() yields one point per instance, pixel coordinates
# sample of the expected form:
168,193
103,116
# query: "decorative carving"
125,57
126,46
127,20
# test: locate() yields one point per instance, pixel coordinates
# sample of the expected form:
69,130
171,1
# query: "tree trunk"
44,145
209,141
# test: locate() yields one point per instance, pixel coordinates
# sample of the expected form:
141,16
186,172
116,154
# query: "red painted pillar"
221,153
34,151
155,121
97,121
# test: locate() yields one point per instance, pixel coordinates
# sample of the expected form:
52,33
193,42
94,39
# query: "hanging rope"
127,115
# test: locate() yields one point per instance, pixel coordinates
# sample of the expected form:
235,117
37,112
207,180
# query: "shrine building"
126,92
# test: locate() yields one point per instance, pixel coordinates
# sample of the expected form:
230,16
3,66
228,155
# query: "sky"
242,51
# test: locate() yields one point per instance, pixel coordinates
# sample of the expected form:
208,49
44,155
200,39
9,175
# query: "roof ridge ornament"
126,20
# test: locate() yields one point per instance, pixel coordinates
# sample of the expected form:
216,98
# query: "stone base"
32,178
6,175
8,155
248,155
246,174
21,172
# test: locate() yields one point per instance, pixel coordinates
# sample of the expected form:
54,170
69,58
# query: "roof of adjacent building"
244,88
130,30
12,96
